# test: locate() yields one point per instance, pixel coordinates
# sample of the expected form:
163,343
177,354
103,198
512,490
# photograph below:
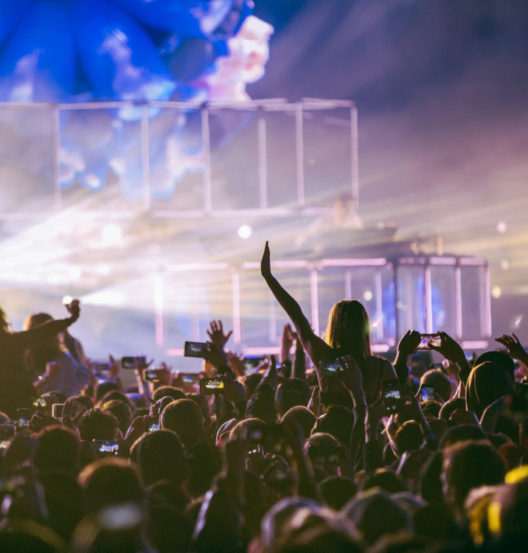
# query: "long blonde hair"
348,329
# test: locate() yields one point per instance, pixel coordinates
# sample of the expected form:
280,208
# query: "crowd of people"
324,448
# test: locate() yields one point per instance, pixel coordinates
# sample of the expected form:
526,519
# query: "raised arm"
46,330
314,346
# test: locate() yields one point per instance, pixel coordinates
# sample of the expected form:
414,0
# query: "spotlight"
496,292
505,264
367,295
111,235
501,227
245,231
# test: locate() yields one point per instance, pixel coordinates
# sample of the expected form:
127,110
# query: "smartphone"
102,368
56,410
132,362
189,378
427,393
332,368
429,341
391,396
151,375
106,447
23,416
195,349
210,386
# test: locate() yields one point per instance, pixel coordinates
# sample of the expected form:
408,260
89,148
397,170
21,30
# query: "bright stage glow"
496,292
367,295
112,235
502,227
245,232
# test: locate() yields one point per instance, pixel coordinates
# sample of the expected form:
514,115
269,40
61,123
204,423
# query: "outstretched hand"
408,343
265,262
450,349
513,347
216,334
74,309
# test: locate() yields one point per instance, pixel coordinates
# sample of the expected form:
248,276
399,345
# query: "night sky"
442,92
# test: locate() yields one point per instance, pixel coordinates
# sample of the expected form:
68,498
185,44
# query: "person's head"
486,383
57,449
167,391
161,456
376,514
384,479
468,465
337,421
96,424
290,393
110,481
184,417
408,437
325,453
436,379
348,328
103,388
121,412
301,417
454,404
499,358
337,491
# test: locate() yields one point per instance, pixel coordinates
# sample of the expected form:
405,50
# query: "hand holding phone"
133,361
210,386
196,349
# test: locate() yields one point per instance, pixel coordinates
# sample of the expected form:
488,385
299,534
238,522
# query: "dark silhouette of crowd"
327,448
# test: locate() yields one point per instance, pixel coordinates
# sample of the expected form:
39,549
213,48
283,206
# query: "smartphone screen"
429,341
211,385
106,447
23,416
128,362
332,368
151,375
427,393
391,396
189,378
195,349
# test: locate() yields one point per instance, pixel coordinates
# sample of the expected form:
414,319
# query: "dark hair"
167,391
408,437
385,479
436,379
300,416
469,465
337,491
110,481
337,421
121,411
161,456
290,393
57,448
184,417
96,424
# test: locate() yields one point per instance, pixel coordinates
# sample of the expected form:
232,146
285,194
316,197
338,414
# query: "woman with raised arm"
347,335
16,387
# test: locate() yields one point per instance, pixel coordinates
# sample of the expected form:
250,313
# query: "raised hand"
513,347
74,309
265,262
408,343
450,349
216,334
